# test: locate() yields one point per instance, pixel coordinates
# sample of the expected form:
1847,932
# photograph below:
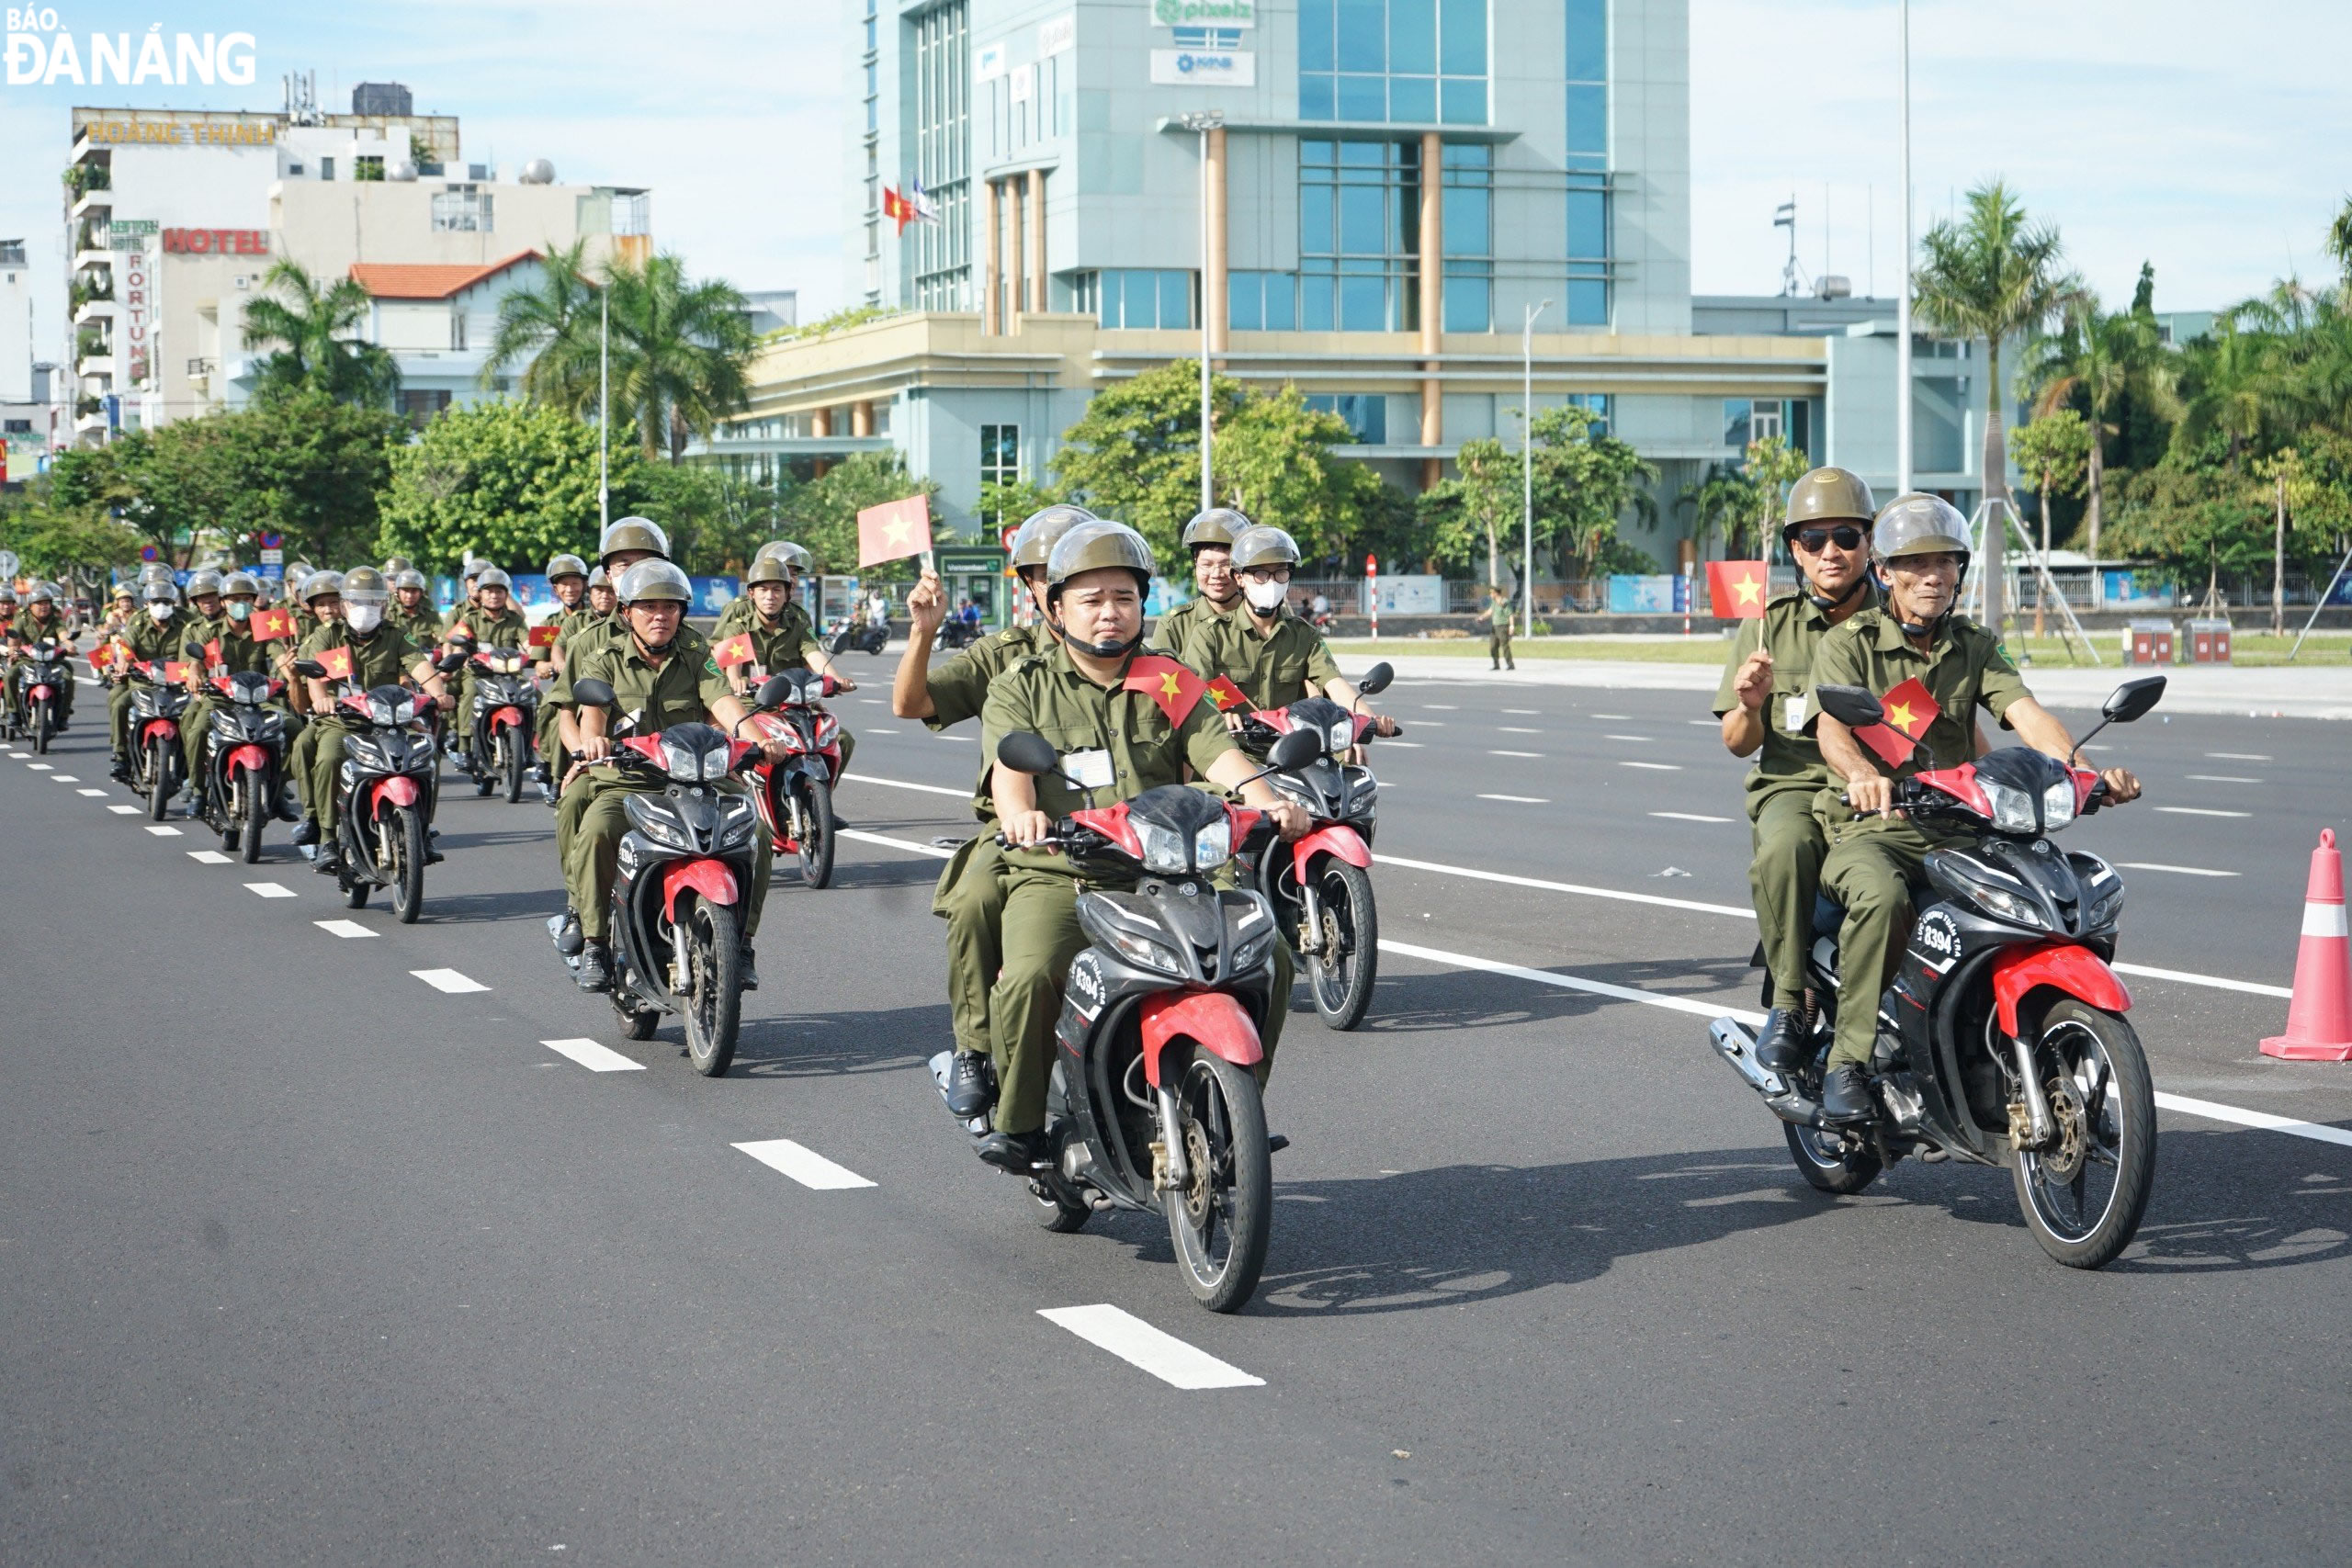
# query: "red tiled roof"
403,280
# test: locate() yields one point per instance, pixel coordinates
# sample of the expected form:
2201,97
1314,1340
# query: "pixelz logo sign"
42,54
216,242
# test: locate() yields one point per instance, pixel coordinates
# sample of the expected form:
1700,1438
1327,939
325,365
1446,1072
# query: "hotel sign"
216,242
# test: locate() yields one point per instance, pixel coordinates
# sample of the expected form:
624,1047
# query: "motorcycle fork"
2040,1126
1171,1170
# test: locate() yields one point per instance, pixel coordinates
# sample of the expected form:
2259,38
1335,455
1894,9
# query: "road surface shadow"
1456,999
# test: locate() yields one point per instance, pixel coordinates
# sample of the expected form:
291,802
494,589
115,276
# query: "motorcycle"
859,635
1320,887
1153,1101
157,762
245,762
687,868
503,724
42,675
796,796
386,793
2001,1039
955,632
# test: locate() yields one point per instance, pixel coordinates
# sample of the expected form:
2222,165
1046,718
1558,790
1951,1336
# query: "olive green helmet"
40,593
1262,544
767,567
366,586
651,579
793,556
566,566
1828,495
472,568
299,571
596,578
493,577
160,591
633,534
409,577
321,585
240,582
200,584
1917,524
1093,545
1217,526
1033,541
395,565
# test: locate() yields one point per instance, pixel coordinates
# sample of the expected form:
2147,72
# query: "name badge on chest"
1088,769
1793,713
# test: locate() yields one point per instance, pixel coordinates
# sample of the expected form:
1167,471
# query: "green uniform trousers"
1783,879
1499,647
325,738
592,849
298,752
1041,938
550,740
118,717
970,898
1868,871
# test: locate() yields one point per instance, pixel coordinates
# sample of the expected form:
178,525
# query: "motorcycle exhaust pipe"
1736,1046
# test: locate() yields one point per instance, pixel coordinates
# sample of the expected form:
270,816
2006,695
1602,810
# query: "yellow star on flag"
1169,686
1901,717
1747,588
902,532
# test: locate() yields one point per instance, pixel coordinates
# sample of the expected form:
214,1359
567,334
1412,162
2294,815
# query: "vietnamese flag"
1737,588
1226,696
338,663
736,649
213,654
894,530
898,207
543,634
1177,688
269,625
1909,710
175,672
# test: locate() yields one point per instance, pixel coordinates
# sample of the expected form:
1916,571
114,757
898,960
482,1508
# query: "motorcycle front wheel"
816,830
256,813
517,762
408,865
41,728
1220,1219
159,772
2084,1196
1346,962
713,1000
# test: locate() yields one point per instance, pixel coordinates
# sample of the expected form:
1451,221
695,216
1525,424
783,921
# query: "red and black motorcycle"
152,736
41,674
501,749
243,761
796,796
386,791
2001,1039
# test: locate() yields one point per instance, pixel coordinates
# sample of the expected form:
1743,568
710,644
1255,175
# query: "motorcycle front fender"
397,790
2075,971
712,879
159,729
1337,839
252,758
1216,1018
506,719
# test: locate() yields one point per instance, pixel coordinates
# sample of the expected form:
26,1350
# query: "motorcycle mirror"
1025,753
310,669
1852,707
592,692
2133,699
1295,750
1375,679
450,664
773,691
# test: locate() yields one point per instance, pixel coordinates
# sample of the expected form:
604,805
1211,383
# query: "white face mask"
363,618
161,612
1264,597
239,609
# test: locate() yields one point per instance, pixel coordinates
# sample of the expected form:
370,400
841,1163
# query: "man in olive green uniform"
1764,703
1921,543
1097,577
568,581
1217,595
152,639
1265,648
468,575
741,612
379,657
231,639
782,637
490,621
1498,629
42,619
970,895
411,614
317,602
662,674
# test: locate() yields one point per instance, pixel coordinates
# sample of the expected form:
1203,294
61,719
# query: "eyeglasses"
1813,541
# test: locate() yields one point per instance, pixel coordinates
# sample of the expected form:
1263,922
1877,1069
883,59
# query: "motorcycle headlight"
683,762
2104,889
1213,845
1163,848
1141,949
1344,735
2058,805
2012,807
735,824
713,763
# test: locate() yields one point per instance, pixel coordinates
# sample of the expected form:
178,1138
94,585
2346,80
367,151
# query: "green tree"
312,333
1992,275
1584,481
551,330
1002,504
1724,498
1471,508
823,513
69,540
2104,364
2055,449
1773,466
510,482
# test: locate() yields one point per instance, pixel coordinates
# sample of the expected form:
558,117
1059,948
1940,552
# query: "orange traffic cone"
2319,1019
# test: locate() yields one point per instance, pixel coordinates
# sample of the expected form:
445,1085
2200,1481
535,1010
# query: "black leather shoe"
306,832
971,1087
1019,1153
594,974
119,771
1845,1095
568,940
747,972
1780,1045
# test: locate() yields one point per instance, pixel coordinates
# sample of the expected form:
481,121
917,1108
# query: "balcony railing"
202,367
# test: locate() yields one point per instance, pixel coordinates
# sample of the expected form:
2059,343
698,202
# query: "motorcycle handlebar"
1066,833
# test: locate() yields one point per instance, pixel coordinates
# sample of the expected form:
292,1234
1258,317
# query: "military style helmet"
299,571
651,580
409,576
1217,526
40,593
472,568
1033,541
199,584
1916,524
395,565
320,584
1262,544
366,586
633,534
493,577
1828,495
159,592
241,582
124,591
267,592
768,568
566,566
793,556
7,591
1094,543
596,578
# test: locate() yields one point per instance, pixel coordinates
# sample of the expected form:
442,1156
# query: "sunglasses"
1813,541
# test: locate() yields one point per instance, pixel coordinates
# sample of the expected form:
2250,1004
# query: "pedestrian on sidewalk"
1499,634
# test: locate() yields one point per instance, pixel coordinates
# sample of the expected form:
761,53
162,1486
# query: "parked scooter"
2001,1039
245,762
796,796
863,635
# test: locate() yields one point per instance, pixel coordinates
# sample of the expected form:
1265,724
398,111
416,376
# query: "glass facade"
1762,419
1409,61
1136,299
1588,238
1359,234
1365,413
1468,194
942,140
1261,301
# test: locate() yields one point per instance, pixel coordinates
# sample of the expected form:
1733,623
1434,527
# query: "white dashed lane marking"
805,1166
2179,870
1521,799
2219,778
1139,1344
342,928
1536,754
208,857
63,778
1530,713
1689,817
268,890
161,832
594,1058
1654,767
90,792
127,810
2200,811
2239,756
40,767
1516,729
1640,738
448,980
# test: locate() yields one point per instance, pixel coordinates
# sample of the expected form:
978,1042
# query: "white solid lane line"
2219,778
1536,881
803,1165
127,810
2251,987
342,928
864,837
1571,982
1409,745
1521,799
1441,707
1139,1344
1709,723
448,980
159,832
2212,1111
90,792
2239,756
1691,816
2180,870
269,890
1619,718
594,1058
1535,754
208,857
1654,767
1527,713
2200,811
906,784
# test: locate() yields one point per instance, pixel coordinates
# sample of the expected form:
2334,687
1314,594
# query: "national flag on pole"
736,649
269,625
1737,588
1909,710
1175,687
175,672
1226,696
338,663
898,208
894,530
543,634
920,199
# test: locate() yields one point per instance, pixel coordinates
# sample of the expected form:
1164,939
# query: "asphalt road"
306,1259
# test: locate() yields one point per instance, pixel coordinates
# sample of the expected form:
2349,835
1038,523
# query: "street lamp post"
1527,462
1902,301
603,408
1201,123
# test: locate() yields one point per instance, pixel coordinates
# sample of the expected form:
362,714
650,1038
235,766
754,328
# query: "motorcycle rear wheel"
159,772
517,761
817,835
1342,985
2084,1201
714,1002
408,865
256,813
356,891
637,1024
1841,1173
1219,1220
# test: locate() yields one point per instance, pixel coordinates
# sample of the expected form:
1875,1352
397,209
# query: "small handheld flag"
269,625
894,530
543,634
1176,688
175,670
338,663
736,649
1909,710
1226,696
1737,588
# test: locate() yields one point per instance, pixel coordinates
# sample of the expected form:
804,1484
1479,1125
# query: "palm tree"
2104,362
314,334
680,353
1992,275
552,330
2339,239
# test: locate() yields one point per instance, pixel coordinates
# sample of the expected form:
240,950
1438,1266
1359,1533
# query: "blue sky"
2210,140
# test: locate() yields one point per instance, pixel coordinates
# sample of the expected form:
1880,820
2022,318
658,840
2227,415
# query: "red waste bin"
2150,643
2209,642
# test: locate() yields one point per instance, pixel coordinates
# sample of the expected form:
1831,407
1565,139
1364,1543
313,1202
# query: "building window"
1261,301
1366,414
942,143
1136,299
326,168
999,455
367,166
1411,62
1762,419
418,408
457,330
1359,235
462,210
1588,235
1468,194
1596,403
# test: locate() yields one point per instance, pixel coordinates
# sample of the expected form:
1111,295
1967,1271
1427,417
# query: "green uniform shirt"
1791,630
1499,615
1187,621
1272,671
506,629
383,657
239,654
150,642
1962,668
737,616
420,626
776,649
649,697
1047,695
959,688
